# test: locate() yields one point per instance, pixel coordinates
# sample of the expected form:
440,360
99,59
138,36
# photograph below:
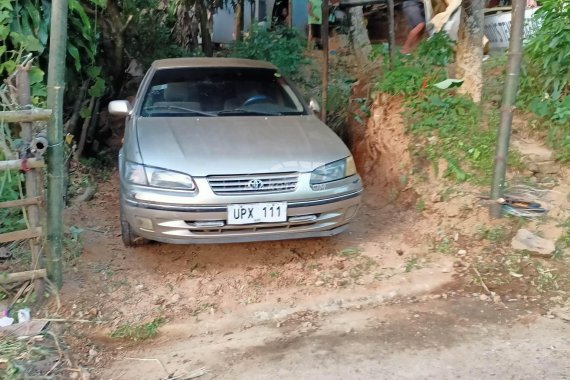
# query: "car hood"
237,145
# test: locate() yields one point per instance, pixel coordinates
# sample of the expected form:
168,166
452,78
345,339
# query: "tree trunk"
207,46
116,29
470,49
359,35
238,23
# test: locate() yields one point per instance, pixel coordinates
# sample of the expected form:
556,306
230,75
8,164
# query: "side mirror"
120,108
315,107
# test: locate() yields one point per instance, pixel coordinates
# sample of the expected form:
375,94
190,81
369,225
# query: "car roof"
210,62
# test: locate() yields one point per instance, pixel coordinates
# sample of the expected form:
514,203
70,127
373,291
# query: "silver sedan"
225,150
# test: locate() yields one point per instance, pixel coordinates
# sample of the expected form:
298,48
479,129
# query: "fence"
31,163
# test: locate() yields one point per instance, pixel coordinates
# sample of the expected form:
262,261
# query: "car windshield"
219,91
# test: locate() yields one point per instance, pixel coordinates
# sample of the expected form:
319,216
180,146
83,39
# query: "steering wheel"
255,99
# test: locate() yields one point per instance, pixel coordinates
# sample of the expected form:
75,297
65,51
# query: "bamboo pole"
22,276
31,163
35,114
325,44
56,82
32,178
30,233
508,105
391,32
21,202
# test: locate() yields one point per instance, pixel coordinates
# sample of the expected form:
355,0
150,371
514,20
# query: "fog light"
209,224
144,223
302,218
351,212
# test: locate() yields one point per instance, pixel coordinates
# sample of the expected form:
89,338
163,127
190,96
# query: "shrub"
545,85
281,46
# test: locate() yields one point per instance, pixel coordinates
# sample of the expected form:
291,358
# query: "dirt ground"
407,292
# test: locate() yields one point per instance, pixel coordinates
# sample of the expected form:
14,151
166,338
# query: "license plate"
257,213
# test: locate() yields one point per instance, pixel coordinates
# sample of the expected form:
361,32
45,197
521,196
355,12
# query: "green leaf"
85,112
9,66
449,83
94,71
27,42
4,32
39,90
72,50
6,4
36,75
98,88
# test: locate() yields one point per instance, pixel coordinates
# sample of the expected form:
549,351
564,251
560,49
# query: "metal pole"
508,105
55,152
325,44
391,33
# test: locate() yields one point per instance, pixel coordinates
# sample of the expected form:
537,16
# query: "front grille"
254,183
232,230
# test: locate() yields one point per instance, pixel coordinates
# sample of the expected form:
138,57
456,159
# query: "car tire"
130,239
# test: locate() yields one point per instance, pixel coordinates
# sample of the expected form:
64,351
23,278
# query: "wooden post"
32,185
325,44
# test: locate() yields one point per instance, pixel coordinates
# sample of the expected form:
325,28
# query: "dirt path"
381,257
437,286
457,338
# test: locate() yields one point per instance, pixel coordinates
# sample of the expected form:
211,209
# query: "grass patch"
138,332
564,240
350,252
411,264
17,357
497,234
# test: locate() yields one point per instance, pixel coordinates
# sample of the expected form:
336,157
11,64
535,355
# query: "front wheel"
130,239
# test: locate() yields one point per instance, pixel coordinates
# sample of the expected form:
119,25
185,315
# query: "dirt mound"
380,148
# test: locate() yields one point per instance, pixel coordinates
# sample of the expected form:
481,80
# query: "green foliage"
148,37
24,29
282,47
436,51
564,240
548,51
11,219
545,86
402,80
138,332
452,127
448,127
423,68
16,355
497,234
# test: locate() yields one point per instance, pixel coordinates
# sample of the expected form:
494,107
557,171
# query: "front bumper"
194,223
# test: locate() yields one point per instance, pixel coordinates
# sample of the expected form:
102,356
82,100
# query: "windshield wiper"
242,111
179,108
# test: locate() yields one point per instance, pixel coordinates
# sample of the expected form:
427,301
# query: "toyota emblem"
255,184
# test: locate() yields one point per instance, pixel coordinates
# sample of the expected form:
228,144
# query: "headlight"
334,171
149,176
